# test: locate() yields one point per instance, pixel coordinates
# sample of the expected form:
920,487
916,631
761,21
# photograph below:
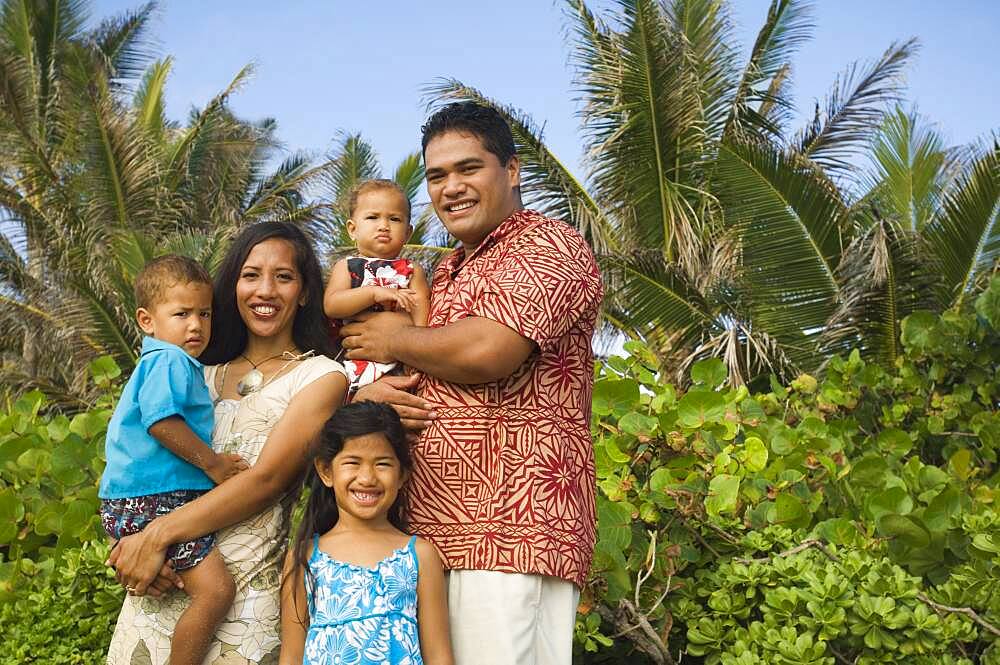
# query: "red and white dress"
389,274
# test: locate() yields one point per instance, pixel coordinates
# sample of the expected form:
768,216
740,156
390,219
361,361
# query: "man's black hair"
476,119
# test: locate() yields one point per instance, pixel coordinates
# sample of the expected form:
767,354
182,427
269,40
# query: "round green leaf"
723,492
904,528
711,372
698,408
756,454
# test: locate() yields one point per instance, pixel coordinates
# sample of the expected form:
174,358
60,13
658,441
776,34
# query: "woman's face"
269,291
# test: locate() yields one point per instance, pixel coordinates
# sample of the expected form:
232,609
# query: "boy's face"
183,316
380,225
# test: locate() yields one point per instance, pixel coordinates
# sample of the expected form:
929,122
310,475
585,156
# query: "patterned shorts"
123,517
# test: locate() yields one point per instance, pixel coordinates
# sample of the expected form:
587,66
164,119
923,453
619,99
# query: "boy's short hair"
163,272
372,185
483,122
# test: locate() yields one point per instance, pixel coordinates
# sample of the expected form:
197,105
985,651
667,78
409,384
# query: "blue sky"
325,66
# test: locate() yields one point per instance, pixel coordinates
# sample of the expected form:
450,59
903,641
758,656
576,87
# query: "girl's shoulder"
427,554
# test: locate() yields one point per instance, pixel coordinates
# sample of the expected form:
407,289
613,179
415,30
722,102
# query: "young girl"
378,279
356,588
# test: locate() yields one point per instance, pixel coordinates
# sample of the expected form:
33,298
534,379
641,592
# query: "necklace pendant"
250,382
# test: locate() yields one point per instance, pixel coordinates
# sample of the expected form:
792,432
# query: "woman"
273,390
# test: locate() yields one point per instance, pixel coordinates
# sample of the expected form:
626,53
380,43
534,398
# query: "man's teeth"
462,206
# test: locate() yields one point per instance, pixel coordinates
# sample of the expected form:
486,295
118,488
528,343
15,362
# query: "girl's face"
379,225
365,477
269,291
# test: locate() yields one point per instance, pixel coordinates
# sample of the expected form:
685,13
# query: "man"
504,478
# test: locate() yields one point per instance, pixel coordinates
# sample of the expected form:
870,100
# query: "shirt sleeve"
165,386
541,291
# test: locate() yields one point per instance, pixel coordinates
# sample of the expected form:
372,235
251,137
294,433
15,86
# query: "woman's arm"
294,613
422,302
432,607
138,558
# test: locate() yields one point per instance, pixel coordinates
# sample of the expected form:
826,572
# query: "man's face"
472,192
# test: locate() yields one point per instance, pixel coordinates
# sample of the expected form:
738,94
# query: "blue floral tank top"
363,616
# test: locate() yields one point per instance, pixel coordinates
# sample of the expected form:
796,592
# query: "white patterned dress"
253,549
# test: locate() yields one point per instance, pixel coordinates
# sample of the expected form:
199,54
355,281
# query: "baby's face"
380,225
183,316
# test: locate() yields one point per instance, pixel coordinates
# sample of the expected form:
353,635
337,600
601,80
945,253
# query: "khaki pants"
511,618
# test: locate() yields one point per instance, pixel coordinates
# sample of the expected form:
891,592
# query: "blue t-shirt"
166,382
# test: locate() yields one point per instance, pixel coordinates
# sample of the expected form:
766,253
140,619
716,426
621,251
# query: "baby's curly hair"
161,273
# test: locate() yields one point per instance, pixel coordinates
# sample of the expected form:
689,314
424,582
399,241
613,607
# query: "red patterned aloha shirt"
504,478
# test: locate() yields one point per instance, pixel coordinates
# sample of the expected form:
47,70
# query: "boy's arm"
294,613
432,607
174,434
422,301
340,300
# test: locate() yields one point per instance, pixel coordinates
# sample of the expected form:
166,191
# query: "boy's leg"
212,590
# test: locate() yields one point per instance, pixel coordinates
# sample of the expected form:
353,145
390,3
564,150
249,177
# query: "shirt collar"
511,226
150,344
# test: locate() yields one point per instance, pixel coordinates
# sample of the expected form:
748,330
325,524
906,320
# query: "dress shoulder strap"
412,547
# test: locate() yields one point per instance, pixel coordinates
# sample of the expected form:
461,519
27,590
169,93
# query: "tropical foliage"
851,519
95,181
722,232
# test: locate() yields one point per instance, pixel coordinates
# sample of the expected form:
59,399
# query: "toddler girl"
356,588
378,279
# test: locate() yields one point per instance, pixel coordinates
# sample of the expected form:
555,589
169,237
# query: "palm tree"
720,232
96,181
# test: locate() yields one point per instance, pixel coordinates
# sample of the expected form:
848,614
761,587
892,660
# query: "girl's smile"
365,477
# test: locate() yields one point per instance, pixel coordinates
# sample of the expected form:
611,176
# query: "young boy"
157,448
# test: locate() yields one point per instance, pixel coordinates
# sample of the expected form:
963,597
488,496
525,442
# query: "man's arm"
472,350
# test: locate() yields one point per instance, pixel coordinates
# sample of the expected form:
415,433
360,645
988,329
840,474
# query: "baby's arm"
422,301
294,613
340,301
432,607
175,435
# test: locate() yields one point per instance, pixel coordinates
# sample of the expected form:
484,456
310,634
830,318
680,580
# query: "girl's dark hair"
229,332
321,514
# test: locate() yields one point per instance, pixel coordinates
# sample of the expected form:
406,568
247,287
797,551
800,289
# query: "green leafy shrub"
847,519
58,601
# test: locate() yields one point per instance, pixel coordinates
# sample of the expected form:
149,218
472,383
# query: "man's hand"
415,412
371,336
224,466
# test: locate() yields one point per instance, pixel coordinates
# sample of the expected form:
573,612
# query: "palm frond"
148,101
910,168
787,26
409,175
122,43
854,109
788,219
966,231
644,119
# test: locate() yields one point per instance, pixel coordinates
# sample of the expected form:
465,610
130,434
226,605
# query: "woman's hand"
415,412
140,564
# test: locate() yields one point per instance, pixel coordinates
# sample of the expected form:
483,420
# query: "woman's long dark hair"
321,514
229,331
